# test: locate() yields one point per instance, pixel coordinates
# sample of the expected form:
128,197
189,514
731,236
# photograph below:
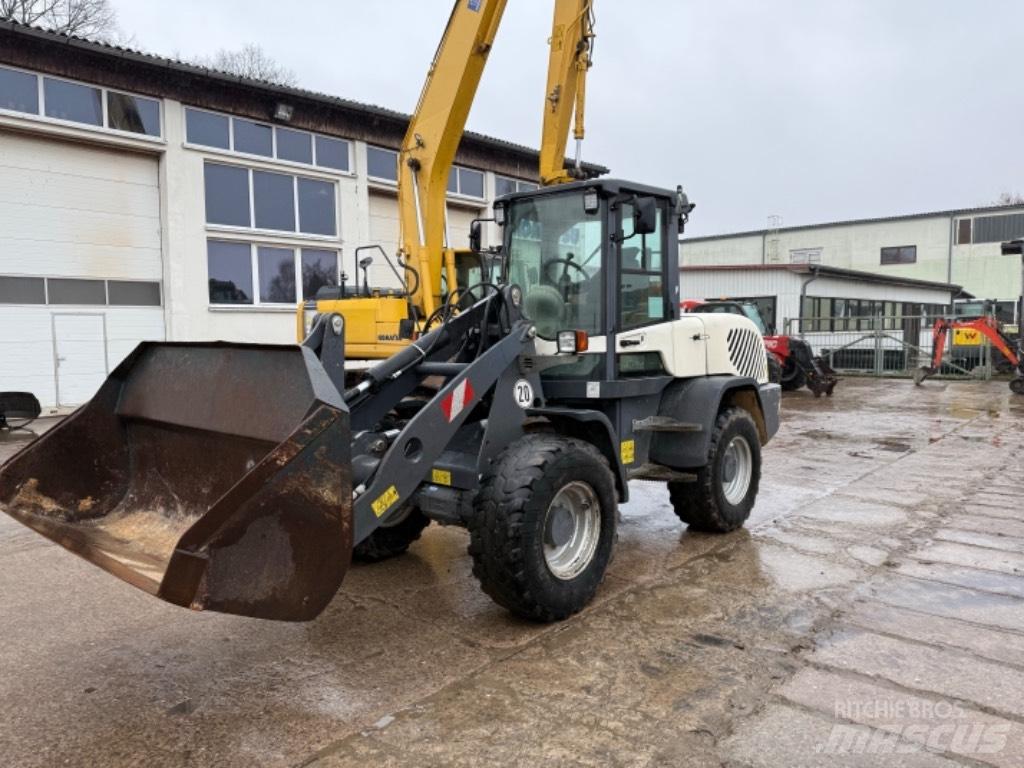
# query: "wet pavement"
872,613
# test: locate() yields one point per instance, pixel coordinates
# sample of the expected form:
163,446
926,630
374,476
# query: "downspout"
949,255
803,293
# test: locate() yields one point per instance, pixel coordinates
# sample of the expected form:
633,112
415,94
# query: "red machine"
988,327
791,362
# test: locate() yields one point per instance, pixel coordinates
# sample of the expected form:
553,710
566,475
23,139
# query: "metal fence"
893,345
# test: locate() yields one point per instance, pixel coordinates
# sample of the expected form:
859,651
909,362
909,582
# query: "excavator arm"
428,149
572,38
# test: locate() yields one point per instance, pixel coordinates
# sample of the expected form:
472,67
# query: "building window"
998,229
275,200
207,129
332,153
71,101
319,269
253,138
210,129
381,164
230,272
78,103
22,290
316,207
227,195
19,91
963,232
133,293
296,146
276,273
903,254
59,290
133,114
505,185
805,256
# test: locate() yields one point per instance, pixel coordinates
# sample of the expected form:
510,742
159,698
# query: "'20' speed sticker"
522,391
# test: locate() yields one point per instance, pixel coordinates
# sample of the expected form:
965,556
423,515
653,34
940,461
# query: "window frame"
666,296
252,229
104,127
273,158
898,249
456,194
258,302
106,290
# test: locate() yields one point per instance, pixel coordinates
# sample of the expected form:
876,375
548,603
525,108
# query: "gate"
892,345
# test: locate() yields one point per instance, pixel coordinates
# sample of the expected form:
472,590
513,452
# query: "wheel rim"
737,469
572,529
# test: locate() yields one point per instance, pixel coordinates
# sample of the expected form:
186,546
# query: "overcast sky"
814,110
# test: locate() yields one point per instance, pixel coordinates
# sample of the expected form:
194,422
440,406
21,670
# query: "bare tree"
249,61
1010,198
95,19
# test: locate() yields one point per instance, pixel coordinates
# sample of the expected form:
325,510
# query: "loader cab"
594,256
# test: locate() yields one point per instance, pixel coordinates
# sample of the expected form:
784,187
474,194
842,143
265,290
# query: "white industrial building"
787,292
957,247
142,198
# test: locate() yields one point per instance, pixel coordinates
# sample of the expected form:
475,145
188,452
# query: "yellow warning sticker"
385,501
626,449
441,476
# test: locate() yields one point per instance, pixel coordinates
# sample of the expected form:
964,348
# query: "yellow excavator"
438,276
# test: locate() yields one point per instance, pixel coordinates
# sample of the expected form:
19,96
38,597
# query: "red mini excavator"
986,326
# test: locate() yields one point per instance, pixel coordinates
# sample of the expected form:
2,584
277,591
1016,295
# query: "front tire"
726,487
793,376
544,526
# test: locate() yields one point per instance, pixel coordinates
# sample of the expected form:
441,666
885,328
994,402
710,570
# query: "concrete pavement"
872,613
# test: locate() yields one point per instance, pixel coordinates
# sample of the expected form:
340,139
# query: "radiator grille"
746,353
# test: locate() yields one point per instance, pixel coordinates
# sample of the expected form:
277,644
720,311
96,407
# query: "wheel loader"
239,477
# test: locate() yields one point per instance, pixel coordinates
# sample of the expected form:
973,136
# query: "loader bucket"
214,476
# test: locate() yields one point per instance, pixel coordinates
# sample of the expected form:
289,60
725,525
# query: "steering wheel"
564,277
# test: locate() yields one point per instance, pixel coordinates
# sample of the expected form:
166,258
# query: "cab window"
641,273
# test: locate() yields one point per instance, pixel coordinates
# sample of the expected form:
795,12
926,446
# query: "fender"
593,427
698,401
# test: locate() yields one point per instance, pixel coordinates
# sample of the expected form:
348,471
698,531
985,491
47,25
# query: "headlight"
309,315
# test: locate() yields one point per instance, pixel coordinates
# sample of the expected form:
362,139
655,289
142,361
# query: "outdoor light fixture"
591,202
572,342
283,112
499,214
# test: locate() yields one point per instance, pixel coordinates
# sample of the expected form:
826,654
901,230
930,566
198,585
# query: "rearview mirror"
475,236
645,216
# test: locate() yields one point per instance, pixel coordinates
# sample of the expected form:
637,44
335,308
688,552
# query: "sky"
812,110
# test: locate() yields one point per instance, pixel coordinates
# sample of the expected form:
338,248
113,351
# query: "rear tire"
391,539
726,487
1017,386
544,526
793,376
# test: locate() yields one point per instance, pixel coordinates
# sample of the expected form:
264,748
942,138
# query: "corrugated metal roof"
826,271
131,54
854,222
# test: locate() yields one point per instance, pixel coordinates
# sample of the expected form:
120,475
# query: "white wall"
786,285
981,269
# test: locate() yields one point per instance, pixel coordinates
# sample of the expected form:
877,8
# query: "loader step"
664,424
659,472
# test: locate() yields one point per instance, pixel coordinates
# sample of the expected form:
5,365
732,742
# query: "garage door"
79,252
384,232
